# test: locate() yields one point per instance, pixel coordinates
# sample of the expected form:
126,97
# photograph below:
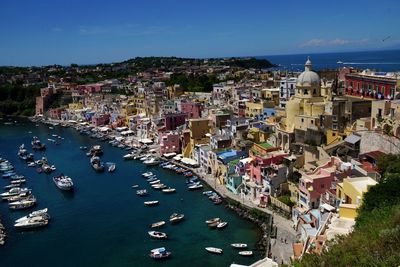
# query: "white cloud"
333,42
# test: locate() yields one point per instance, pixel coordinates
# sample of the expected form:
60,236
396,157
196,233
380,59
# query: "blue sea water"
386,60
103,222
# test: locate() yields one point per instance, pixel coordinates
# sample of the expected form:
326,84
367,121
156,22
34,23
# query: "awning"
327,207
189,161
146,141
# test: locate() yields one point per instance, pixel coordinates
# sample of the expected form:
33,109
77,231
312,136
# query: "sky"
44,32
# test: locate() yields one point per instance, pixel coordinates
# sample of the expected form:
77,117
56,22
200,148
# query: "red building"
174,120
192,109
371,85
100,119
169,143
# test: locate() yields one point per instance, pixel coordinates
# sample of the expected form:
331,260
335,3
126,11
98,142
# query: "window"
314,92
312,121
305,91
334,126
333,134
334,118
291,86
322,185
302,120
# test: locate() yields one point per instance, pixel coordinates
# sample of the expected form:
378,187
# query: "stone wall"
372,141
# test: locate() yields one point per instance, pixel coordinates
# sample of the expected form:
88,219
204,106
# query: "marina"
110,193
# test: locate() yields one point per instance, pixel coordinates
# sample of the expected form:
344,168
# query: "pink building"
192,109
169,143
323,179
174,120
100,119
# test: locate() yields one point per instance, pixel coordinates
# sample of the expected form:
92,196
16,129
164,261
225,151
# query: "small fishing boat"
246,253
213,220
169,190
157,224
112,167
159,253
222,225
175,217
142,192
151,162
135,186
151,203
158,235
147,174
129,156
213,225
195,186
214,250
239,245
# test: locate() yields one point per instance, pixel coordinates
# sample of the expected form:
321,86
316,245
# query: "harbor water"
103,222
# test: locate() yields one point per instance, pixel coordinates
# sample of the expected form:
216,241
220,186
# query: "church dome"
308,78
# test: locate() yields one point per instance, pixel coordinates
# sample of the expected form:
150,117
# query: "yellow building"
254,109
75,106
271,95
199,134
350,193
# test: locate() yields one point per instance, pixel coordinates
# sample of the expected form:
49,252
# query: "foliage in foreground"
375,240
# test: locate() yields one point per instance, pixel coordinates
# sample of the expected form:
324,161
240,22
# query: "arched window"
305,91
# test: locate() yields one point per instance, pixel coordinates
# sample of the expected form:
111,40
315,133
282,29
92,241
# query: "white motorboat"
142,192
175,217
195,186
158,186
157,224
239,245
158,235
147,174
214,250
23,203
13,192
33,222
169,190
151,203
135,186
213,220
222,225
63,182
42,212
246,253
112,167
154,182
128,156
151,162
159,253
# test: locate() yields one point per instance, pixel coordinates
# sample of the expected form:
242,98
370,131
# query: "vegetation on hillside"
375,240
193,83
18,100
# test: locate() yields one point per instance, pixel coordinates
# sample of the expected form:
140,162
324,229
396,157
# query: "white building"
287,89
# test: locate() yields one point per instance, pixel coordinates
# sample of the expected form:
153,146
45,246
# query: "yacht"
23,204
158,235
63,182
13,192
34,222
42,212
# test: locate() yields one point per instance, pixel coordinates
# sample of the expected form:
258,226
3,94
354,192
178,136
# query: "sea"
382,61
103,222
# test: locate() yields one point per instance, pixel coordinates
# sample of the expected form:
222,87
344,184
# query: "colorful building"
169,143
174,120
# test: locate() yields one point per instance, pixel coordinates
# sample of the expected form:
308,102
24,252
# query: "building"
192,109
169,143
287,87
174,120
100,119
350,193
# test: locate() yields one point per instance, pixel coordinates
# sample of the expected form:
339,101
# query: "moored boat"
159,253
239,245
175,217
63,182
214,250
222,225
151,162
42,212
33,222
95,151
112,167
169,190
246,253
151,203
213,220
158,235
37,145
157,224
97,165
195,186
23,203
142,192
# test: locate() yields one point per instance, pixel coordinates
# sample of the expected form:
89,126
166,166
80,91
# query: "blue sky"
86,32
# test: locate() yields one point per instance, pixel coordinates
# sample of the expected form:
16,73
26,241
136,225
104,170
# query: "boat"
19,197
217,201
63,182
152,178
239,245
31,164
175,217
157,224
246,253
339,62
142,192
97,164
159,253
154,182
151,162
95,151
22,204
129,156
222,225
159,186
135,186
112,167
213,220
18,181
42,212
169,190
13,192
37,145
83,147
151,203
158,235
147,174
214,250
12,186
23,154
195,186
34,222
214,224
207,193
